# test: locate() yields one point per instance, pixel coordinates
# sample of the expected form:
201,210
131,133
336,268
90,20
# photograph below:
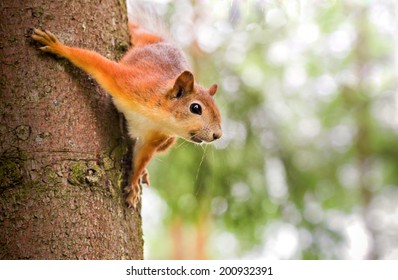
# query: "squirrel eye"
195,108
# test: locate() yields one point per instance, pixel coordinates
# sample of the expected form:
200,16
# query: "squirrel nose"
217,135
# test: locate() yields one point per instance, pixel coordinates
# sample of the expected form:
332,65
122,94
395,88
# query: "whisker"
200,165
181,144
212,159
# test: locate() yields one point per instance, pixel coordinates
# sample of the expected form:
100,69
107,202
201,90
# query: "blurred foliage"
308,164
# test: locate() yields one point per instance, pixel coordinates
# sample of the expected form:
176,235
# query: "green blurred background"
308,164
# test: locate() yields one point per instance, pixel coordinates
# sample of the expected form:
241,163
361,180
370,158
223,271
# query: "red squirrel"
154,89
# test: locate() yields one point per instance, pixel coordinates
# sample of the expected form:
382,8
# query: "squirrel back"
150,42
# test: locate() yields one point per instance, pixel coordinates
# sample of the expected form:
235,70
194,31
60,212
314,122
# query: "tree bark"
62,153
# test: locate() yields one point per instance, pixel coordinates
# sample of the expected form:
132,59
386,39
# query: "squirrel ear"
213,89
183,84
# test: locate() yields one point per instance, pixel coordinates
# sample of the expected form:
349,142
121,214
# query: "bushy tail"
145,24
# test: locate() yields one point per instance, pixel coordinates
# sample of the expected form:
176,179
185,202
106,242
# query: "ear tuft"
213,89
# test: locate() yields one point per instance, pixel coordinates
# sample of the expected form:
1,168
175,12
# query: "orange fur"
154,89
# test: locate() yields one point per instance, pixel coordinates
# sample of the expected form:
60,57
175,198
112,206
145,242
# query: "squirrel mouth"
195,138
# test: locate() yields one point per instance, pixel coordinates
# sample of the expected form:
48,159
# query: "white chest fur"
139,125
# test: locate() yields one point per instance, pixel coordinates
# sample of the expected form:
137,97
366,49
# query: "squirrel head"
192,106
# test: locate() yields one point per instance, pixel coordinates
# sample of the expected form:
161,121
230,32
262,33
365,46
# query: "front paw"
134,195
50,42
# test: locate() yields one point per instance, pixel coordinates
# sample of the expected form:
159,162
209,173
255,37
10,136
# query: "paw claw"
45,49
134,195
132,200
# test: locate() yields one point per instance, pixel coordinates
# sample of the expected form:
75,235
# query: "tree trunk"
62,152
